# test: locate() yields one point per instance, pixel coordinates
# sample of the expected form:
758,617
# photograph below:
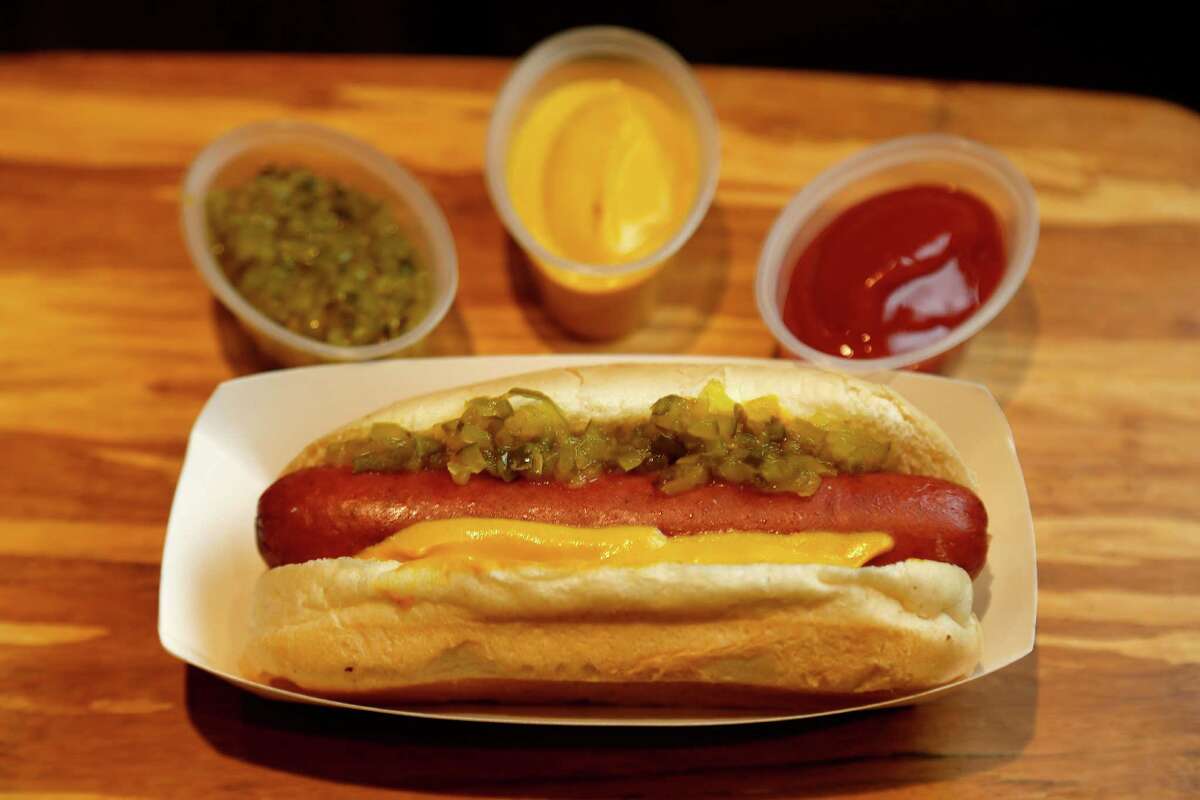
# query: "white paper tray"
251,427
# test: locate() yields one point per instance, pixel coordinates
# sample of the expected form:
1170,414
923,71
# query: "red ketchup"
895,272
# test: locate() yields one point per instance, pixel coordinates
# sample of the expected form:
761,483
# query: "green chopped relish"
318,257
686,442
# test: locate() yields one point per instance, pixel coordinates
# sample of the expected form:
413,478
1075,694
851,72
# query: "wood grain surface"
110,344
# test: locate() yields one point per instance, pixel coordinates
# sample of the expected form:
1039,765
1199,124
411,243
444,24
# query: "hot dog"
327,512
440,550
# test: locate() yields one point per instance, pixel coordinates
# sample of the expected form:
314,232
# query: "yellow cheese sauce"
602,171
499,543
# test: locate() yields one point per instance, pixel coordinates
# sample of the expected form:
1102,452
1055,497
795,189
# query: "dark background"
1145,48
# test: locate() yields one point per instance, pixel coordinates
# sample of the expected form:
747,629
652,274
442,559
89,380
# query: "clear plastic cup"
598,301
239,154
925,159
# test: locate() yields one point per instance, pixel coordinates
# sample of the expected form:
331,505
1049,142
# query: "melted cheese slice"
481,544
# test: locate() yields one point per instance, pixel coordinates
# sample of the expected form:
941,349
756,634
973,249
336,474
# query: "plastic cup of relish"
233,161
566,122
897,256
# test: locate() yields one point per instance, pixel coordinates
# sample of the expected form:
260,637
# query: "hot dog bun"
355,628
668,634
919,447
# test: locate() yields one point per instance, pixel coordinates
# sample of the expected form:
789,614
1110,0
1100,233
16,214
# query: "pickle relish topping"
320,258
686,442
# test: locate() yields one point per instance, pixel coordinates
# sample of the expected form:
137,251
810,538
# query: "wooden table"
110,344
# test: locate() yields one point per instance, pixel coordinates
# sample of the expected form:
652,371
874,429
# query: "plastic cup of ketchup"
897,256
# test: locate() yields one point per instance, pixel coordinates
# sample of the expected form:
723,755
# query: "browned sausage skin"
326,512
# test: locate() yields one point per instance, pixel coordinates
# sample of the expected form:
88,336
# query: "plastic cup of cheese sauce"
602,159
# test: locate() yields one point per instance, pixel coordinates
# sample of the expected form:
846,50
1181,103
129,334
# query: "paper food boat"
251,427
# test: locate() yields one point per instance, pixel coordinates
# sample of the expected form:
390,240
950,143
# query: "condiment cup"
241,153
925,159
598,301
